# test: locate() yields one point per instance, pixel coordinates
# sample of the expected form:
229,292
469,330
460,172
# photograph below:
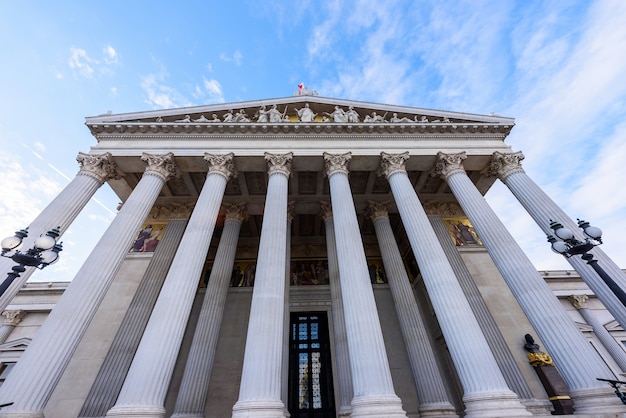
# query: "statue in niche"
397,119
375,118
352,116
306,114
261,115
338,115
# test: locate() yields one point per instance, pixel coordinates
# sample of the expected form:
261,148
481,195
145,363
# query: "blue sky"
558,67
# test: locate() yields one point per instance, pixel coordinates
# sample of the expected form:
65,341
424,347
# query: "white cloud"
236,58
214,90
110,55
80,61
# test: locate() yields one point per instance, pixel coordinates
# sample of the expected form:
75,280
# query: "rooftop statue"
306,114
201,119
241,116
228,116
397,119
338,115
261,115
375,118
352,115
275,115
186,119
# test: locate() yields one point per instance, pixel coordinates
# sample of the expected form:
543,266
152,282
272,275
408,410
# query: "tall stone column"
342,356
95,169
11,320
110,378
195,384
374,394
612,346
144,390
260,389
291,206
485,390
579,364
432,395
508,168
34,377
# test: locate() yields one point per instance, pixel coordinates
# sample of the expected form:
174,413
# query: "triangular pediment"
20,344
299,110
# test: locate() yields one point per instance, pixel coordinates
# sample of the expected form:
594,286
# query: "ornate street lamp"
45,251
564,243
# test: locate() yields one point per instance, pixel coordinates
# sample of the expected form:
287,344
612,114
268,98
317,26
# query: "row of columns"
485,390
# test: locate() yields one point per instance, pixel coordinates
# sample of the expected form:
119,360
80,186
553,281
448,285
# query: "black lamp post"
564,243
45,251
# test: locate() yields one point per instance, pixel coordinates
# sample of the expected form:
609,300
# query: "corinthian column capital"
279,163
579,301
378,209
99,166
235,212
337,163
161,165
222,164
326,210
392,163
13,317
502,164
448,164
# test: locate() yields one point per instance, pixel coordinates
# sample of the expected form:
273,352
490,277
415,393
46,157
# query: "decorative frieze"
99,166
171,211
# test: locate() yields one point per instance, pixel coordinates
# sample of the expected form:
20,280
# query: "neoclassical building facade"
311,257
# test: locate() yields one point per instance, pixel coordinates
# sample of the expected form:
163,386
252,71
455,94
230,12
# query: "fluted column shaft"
145,387
287,313
579,364
34,377
342,356
61,212
12,319
614,348
371,376
542,209
110,378
485,390
195,383
260,389
432,395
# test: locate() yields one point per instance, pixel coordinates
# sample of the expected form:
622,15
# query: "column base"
495,404
597,401
388,406
268,408
136,411
537,406
21,414
187,415
346,412
438,410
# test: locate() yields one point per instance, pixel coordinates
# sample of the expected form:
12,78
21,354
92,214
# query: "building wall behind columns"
507,313
70,393
403,382
228,363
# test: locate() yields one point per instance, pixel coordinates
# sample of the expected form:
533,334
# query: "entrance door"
310,374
